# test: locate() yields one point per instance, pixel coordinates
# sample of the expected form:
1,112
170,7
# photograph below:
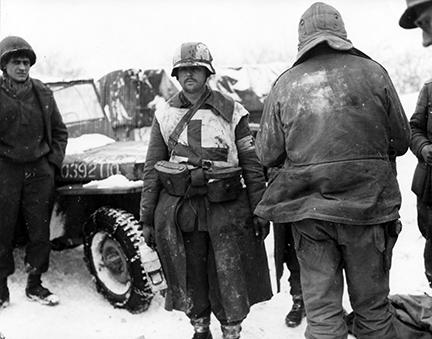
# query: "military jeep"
94,208
97,201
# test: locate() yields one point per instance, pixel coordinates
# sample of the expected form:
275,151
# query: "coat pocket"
421,184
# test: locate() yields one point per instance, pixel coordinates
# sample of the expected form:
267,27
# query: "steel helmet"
409,16
13,44
192,54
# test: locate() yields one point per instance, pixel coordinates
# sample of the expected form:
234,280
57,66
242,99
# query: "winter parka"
335,124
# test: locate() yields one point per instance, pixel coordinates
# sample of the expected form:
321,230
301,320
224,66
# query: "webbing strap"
175,135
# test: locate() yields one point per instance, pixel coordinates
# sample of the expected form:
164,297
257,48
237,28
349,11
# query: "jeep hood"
126,158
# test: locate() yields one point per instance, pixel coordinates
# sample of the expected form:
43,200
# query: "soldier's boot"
297,313
231,331
201,328
4,293
36,292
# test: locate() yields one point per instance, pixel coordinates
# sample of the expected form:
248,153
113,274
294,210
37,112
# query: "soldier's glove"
148,234
426,153
261,227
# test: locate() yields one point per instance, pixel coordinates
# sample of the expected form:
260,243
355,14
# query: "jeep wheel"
112,241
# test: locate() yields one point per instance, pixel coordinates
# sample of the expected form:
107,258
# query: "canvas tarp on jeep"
131,96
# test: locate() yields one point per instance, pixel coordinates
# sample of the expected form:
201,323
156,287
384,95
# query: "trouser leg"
231,330
321,265
201,325
37,202
368,280
293,264
11,180
424,220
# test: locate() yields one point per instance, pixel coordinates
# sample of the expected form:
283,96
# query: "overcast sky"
99,36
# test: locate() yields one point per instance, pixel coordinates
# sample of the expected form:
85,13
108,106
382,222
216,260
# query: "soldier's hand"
426,153
148,234
261,227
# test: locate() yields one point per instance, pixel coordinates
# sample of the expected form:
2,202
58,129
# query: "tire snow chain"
143,293
130,225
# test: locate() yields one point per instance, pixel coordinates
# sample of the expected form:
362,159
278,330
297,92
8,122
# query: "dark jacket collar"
15,88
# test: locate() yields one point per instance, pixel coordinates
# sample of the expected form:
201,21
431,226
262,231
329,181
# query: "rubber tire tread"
124,228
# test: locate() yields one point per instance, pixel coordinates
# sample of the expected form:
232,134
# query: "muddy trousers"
424,220
26,195
203,292
325,250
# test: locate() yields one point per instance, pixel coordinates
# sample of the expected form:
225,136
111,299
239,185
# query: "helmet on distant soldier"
192,54
13,46
408,18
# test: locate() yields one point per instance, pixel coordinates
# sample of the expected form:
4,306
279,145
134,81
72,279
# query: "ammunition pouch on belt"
223,184
174,177
218,184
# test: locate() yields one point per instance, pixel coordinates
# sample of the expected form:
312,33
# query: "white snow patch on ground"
84,314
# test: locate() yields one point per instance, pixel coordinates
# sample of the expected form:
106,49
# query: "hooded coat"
335,124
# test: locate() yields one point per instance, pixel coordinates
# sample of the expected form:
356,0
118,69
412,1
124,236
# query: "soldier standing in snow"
32,145
335,124
202,180
284,252
419,14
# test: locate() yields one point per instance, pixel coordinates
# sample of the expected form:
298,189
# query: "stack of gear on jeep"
130,97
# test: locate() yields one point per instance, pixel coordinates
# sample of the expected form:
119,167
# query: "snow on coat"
335,124
240,258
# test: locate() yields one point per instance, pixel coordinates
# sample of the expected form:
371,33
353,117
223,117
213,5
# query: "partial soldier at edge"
419,14
33,140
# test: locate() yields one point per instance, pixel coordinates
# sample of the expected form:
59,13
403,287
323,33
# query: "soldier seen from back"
335,125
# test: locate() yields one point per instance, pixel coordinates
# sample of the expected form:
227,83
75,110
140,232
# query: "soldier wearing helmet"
334,124
202,180
32,145
419,14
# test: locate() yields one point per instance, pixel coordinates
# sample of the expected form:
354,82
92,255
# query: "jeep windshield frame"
80,106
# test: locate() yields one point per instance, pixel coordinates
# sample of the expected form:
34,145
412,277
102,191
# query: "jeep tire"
112,239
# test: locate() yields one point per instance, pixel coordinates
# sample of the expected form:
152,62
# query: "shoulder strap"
174,136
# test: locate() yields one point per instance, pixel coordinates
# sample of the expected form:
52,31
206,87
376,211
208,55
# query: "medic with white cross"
202,180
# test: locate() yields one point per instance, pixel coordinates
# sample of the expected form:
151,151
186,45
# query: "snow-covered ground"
84,314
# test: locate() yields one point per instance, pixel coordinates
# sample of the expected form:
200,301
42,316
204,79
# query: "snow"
117,180
87,141
83,313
